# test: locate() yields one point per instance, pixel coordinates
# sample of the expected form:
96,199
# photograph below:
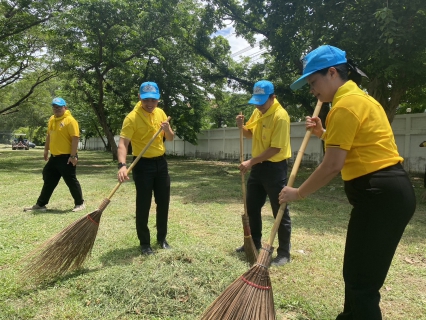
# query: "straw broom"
250,296
68,250
249,247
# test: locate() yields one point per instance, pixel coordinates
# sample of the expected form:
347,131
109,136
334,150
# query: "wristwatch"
121,165
74,157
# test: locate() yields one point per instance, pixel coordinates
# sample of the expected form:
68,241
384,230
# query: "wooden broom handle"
137,159
243,183
293,176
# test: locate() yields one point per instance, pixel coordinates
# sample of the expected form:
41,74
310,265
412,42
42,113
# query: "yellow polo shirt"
271,129
357,123
140,126
61,131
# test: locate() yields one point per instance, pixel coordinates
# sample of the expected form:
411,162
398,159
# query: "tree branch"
40,79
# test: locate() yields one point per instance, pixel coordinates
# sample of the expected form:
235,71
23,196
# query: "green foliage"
108,48
415,100
23,47
101,51
386,40
33,112
224,109
39,136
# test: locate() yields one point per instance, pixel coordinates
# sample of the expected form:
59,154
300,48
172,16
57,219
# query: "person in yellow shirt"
150,174
269,129
62,141
360,144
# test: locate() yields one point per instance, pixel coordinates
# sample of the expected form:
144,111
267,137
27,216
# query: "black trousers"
268,179
151,175
383,203
55,168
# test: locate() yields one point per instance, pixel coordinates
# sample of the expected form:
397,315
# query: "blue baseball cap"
318,59
149,90
261,91
59,102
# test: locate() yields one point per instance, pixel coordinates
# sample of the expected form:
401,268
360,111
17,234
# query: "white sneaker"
35,207
79,207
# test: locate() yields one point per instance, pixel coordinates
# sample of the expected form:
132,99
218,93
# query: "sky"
239,46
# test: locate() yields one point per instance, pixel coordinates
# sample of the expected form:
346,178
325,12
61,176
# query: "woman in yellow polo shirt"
360,144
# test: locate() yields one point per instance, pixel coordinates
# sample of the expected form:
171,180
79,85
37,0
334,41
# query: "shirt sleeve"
279,137
73,129
49,125
163,117
342,127
128,129
252,118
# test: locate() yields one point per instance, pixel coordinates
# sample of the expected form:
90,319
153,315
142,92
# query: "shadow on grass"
120,256
112,258
49,211
327,211
239,256
30,285
206,182
32,163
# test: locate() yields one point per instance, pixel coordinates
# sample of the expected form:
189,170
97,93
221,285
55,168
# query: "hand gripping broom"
68,250
250,296
249,247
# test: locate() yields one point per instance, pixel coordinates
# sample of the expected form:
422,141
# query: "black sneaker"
279,261
164,245
146,250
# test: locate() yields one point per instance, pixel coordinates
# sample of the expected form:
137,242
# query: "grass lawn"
204,229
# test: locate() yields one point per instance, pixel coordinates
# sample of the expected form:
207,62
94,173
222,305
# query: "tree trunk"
395,99
102,137
99,111
388,96
113,145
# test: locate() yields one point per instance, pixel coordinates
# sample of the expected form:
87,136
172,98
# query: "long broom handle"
137,159
243,183
293,176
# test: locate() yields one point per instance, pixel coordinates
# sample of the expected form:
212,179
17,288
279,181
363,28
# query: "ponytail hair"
354,73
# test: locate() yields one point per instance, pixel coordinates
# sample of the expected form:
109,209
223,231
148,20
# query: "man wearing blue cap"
62,141
269,129
150,174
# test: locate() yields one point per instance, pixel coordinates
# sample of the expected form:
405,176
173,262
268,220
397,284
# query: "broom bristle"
249,247
64,252
249,297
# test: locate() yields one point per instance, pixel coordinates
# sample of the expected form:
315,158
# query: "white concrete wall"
224,143
410,131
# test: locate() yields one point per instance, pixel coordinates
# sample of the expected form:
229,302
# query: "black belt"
153,158
266,161
397,165
60,155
